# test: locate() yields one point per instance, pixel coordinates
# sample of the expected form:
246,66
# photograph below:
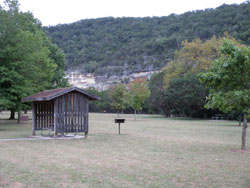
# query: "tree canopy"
193,57
228,80
119,97
138,93
29,61
176,89
125,45
185,96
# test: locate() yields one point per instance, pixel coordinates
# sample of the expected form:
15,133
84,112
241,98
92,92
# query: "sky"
53,12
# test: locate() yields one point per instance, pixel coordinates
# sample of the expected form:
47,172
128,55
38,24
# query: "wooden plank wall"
44,118
71,113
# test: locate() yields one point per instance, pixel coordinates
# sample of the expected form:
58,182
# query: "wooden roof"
54,93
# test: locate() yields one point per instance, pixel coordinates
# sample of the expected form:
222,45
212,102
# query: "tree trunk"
12,114
19,117
25,111
239,121
135,115
244,132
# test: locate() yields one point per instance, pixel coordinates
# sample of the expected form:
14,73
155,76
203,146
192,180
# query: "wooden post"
119,121
33,119
41,114
81,113
72,112
55,117
62,115
86,117
38,115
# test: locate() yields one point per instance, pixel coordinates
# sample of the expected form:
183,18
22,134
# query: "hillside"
121,46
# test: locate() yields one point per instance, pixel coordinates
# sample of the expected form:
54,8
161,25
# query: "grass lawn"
151,152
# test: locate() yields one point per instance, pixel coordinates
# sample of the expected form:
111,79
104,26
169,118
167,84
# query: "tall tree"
157,98
138,93
57,56
194,57
26,63
228,79
118,94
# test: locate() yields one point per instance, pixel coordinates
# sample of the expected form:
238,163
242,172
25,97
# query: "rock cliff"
88,80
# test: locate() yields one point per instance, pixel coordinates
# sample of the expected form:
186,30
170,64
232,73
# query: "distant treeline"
122,45
177,89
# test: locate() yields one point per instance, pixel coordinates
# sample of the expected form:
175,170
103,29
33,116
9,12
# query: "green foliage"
58,58
119,96
157,97
176,89
138,93
144,43
102,105
29,62
90,66
185,96
229,82
194,57
229,79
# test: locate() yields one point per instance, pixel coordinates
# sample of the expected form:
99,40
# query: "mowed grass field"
152,151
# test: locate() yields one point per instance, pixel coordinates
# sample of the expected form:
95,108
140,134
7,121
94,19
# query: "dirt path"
41,138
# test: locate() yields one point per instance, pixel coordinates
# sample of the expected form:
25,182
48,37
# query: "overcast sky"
53,12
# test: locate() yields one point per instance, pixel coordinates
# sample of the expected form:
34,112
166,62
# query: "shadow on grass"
224,123
186,119
154,117
4,122
173,118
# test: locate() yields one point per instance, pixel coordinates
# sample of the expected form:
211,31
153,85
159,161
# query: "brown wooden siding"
70,112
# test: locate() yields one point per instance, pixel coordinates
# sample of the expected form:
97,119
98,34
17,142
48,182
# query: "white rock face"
101,83
77,79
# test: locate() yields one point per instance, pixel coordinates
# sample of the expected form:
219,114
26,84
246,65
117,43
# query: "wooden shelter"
63,110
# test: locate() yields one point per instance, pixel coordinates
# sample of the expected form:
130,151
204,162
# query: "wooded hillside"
125,45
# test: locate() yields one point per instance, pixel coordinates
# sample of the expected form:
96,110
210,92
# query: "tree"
228,79
102,105
27,65
137,44
118,94
57,57
138,93
157,97
185,96
194,57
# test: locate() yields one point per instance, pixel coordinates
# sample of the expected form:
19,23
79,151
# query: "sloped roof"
54,93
